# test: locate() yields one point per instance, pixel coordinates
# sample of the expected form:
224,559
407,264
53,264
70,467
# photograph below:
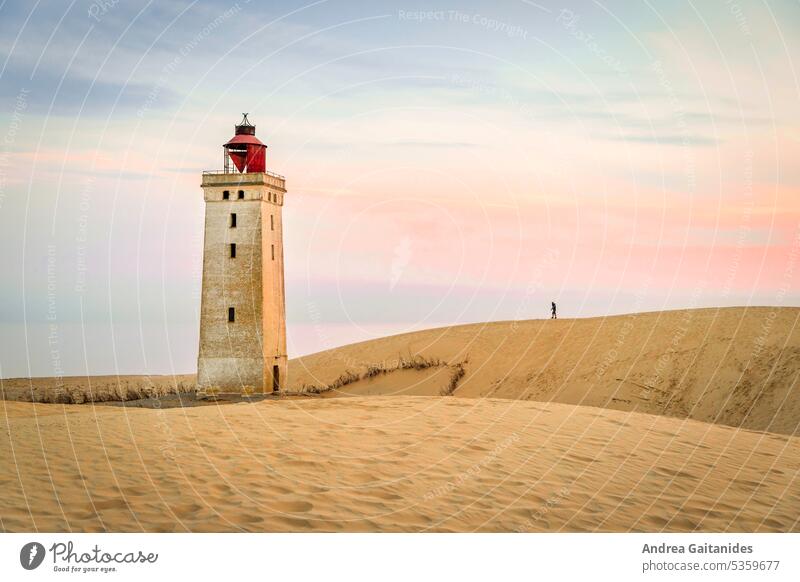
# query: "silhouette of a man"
553,310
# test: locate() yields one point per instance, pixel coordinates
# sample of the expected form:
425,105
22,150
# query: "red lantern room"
245,150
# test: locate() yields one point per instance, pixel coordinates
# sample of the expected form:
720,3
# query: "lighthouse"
243,306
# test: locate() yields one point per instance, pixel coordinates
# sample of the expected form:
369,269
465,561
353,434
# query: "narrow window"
272,222
233,250
241,194
273,252
231,315
226,194
233,220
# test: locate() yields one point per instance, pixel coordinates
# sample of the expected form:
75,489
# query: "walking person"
553,310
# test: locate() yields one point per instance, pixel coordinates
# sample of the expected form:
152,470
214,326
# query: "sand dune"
398,463
569,425
733,366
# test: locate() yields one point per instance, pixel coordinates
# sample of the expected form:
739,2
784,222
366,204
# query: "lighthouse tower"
243,308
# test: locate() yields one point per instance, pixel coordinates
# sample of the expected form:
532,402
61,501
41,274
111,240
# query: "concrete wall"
238,357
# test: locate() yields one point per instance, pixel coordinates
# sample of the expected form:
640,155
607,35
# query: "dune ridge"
732,366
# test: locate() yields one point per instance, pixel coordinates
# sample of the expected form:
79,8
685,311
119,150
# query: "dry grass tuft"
81,390
455,378
347,378
416,362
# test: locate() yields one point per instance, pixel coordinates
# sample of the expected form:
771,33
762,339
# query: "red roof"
245,140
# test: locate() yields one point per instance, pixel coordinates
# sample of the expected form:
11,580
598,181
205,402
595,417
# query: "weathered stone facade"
243,309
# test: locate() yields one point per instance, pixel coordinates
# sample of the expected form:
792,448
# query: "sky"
446,162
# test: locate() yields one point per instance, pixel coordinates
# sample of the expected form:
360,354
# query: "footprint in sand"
292,523
280,490
386,495
221,488
185,510
674,473
298,463
579,458
135,491
244,518
117,503
291,506
746,484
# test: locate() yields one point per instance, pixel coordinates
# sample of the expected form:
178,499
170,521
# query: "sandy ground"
401,463
733,366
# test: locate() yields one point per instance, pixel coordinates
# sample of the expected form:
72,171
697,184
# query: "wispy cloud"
678,140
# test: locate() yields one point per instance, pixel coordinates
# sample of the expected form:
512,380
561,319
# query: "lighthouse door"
276,381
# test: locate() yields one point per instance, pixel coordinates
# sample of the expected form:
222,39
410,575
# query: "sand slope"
388,464
733,366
